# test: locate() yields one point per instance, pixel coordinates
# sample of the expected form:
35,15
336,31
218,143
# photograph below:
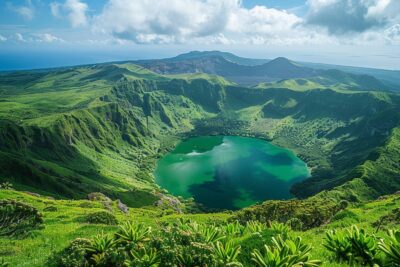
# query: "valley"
117,128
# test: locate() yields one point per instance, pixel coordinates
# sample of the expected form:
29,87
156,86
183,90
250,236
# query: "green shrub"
280,228
50,209
144,258
353,246
71,256
255,227
18,219
295,224
339,244
391,248
101,217
131,234
343,204
101,251
233,229
312,212
392,218
284,253
97,196
195,254
186,243
6,186
3,263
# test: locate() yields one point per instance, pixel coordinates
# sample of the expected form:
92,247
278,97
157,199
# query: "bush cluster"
3,263
101,217
17,219
187,243
358,248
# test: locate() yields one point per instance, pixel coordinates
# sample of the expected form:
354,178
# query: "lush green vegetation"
102,128
67,133
146,237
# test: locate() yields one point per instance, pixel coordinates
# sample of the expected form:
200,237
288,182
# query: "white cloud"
344,16
262,20
19,37
45,38
74,10
32,38
201,21
328,22
392,34
55,9
26,11
164,21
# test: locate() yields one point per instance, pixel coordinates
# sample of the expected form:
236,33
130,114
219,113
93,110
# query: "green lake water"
229,172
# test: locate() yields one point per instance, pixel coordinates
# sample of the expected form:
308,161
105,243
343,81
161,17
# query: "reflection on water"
228,172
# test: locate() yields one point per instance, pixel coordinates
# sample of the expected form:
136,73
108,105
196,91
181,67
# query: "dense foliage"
101,217
18,219
187,243
68,132
299,214
94,128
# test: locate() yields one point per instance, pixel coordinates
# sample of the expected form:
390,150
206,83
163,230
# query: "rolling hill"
66,133
250,72
102,127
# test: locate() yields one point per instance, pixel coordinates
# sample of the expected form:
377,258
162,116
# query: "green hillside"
77,132
67,220
66,133
330,79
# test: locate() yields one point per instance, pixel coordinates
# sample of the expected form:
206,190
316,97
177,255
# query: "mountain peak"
192,55
281,60
198,54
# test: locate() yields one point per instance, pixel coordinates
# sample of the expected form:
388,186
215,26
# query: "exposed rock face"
169,202
122,207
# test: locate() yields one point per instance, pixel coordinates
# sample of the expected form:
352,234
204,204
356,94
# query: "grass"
102,123
65,224
69,132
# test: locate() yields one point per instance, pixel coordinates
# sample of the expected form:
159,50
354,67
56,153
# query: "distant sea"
25,58
33,59
40,60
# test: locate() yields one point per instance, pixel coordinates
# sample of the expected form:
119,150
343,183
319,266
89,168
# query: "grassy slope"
66,224
84,129
329,79
102,127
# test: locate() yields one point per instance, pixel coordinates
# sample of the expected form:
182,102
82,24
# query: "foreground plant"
73,255
255,227
391,248
144,258
130,234
233,229
354,246
280,228
284,253
339,244
17,218
101,248
226,254
3,263
6,186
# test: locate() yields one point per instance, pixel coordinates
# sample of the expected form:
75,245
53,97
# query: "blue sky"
47,33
